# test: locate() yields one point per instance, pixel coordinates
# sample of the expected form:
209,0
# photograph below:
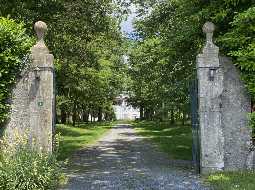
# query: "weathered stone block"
236,105
224,105
33,98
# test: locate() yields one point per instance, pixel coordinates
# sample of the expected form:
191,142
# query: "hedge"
14,45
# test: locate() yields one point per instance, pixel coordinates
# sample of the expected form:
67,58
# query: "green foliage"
29,170
73,139
14,45
252,122
25,168
85,39
169,38
159,84
240,44
176,141
233,180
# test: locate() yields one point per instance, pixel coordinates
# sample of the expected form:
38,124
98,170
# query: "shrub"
14,45
241,180
252,125
25,168
252,120
240,44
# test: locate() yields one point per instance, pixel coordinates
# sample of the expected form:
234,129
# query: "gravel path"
121,160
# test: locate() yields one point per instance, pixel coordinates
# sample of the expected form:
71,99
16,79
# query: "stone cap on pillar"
40,28
210,47
40,55
210,55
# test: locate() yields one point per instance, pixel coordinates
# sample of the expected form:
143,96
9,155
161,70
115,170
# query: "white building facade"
123,111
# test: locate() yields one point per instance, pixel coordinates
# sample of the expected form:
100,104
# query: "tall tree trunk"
85,116
141,112
85,113
151,114
68,117
172,117
164,112
91,116
106,117
147,114
74,118
183,117
63,116
100,115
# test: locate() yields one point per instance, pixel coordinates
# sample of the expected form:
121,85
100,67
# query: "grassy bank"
175,140
75,138
232,180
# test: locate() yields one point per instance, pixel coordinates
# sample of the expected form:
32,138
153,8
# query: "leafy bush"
241,180
25,168
14,44
252,124
252,120
240,44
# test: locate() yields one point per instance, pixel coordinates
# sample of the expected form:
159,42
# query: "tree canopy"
85,38
90,50
169,38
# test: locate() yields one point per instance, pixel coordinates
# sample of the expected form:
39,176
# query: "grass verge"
75,138
232,180
176,141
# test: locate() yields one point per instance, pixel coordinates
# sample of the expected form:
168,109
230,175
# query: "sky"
127,26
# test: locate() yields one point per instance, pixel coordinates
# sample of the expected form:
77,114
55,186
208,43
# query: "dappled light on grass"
75,138
218,177
183,147
244,180
174,140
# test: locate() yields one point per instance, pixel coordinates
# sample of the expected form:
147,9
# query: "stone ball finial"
40,47
208,27
40,29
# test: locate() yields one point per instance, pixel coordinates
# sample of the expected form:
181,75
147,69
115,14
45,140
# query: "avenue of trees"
168,38
89,51
85,38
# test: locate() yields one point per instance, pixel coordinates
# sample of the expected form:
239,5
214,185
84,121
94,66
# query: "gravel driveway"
121,160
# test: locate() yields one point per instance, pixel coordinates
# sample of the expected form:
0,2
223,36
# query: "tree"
14,45
86,41
169,38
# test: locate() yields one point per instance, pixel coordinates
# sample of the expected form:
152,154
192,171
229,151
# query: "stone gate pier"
223,107
33,98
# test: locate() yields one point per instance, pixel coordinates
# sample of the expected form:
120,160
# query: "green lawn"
75,138
174,140
177,142
232,180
